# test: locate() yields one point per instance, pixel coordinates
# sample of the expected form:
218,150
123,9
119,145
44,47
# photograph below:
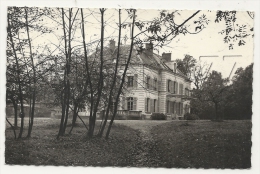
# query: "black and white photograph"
129,87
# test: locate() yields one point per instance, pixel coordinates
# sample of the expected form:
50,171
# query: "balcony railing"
122,114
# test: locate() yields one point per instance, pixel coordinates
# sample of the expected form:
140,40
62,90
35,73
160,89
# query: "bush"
189,116
158,116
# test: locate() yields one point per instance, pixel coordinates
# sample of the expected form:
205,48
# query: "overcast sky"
209,42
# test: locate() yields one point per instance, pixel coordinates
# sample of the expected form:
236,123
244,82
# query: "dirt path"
146,146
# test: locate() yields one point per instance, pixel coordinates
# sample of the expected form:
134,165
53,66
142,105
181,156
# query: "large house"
154,84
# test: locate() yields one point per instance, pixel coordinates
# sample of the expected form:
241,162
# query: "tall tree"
214,91
186,65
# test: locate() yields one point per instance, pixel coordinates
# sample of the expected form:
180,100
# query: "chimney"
149,49
175,67
166,57
112,45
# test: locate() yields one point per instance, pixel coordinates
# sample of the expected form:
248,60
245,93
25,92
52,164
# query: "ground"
137,143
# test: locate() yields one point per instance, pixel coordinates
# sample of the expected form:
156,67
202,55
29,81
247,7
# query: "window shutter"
158,85
123,103
177,108
180,89
152,105
146,84
172,87
135,80
181,108
125,82
156,105
149,105
176,88
126,99
172,107
167,87
153,84
150,83
134,103
145,104
166,107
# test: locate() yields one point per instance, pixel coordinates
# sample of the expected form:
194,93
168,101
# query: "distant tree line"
215,97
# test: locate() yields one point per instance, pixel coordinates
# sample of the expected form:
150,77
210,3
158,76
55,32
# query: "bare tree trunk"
11,127
123,78
64,93
75,115
89,82
18,77
14,101
34,77
114,79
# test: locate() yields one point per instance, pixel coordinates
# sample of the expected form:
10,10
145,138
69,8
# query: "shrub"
189,116
158,116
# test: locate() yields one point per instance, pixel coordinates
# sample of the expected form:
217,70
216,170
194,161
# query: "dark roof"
138,57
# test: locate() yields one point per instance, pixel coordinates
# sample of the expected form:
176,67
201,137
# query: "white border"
155,4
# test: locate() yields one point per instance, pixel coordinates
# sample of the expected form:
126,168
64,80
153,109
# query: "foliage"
189,116
213,91
158,116
234,33
239,98
220,98
186,65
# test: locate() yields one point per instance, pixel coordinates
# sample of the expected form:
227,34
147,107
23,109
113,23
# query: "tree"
213,90
186,66
234,32
21,21
239,98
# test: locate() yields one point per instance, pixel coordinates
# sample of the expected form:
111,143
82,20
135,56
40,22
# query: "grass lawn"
203,144
175,144
73,150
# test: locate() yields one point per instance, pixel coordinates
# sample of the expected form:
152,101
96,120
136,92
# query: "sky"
202,46
209,43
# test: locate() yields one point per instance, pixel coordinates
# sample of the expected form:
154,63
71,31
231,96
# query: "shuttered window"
135,80
181,89
169,85
181,108
152,105
123,103
148,82
155,105
147,105
155,84
130,81
175,87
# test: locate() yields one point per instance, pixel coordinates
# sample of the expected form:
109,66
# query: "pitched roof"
143,57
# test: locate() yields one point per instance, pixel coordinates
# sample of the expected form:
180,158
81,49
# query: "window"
169,86
147,105
155,84
181,88
186,92
148,83
175,87
130,82
130,103
168,106
155,106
